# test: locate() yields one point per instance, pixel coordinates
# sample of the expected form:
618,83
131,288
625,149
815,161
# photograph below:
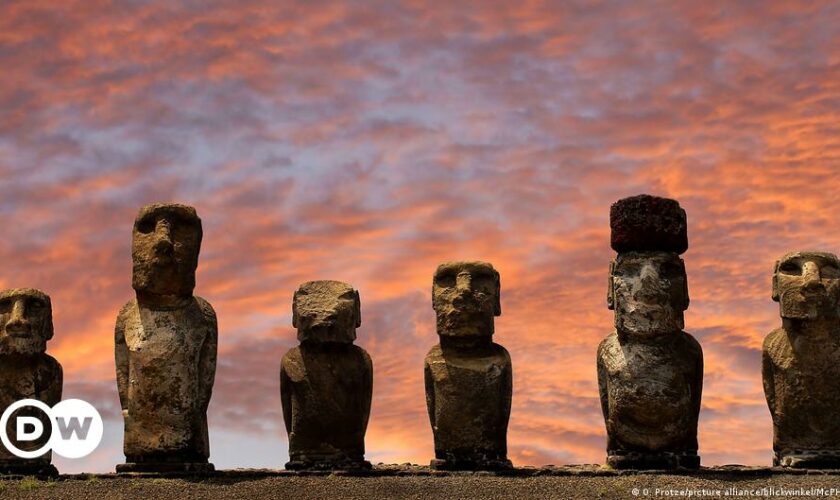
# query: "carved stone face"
465,297
807,285
25,321
164,248
649,292
326,311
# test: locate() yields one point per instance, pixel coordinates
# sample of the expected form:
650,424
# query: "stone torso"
329,387
38,377
469,399
804,375
164,379
650,386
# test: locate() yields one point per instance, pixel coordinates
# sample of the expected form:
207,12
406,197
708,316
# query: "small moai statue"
27,372
801,362
326,382
468,378
650,372
166,343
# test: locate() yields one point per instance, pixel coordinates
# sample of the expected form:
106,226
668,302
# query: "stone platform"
420,482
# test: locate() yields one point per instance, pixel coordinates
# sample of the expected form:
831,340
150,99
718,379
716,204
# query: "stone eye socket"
484,282
671,270
446,280
830,271
628,269
35,304
791,268
5,306
146,225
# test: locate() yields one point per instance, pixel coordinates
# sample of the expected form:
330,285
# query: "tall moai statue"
326,382
165,347
650,372
801,362
469,379
27,372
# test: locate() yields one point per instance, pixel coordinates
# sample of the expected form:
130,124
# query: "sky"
369,141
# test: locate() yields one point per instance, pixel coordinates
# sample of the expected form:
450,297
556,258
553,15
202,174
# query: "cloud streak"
368,142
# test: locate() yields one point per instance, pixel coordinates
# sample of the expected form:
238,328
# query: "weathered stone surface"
801,362
394,482
27,372
165,244
469,379
649,293
326,383
650,372
644,223
650,396
166,342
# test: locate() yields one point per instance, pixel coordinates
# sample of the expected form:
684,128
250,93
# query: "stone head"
648,287
164,249
807,285
326,311
466,298
25,321
649,293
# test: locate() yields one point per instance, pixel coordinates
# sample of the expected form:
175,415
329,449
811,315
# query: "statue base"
808,460
166,467
31,469
329,465
653,461
470,465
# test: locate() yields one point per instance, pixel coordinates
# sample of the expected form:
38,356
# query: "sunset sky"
369,141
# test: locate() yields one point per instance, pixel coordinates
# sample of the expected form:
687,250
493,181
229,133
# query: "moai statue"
469,379
165,347
27,372
801,362
650,372
326,382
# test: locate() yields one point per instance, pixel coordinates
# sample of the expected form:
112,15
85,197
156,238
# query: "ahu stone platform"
421,482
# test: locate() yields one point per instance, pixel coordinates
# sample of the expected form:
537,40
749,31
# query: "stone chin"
462,325
327,334
794,304
649,321
158,279
25,346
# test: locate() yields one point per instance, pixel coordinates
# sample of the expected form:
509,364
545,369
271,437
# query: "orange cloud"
369,143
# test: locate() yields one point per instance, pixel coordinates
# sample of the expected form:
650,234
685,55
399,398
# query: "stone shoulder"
292,364
126,309
500,350
362,353
607,345
292,355
608,341
52,364
776,343
434,353
693,344
206,309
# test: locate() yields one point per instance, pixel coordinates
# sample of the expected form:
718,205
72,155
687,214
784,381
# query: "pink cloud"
370,143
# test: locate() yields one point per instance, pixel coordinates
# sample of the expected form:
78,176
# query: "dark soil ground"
420,483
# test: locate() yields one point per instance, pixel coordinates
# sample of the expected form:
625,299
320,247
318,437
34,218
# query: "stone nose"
18,324
811,274
463,282
649,275
163,233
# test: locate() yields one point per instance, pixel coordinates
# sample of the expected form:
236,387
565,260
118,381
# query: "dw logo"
76,428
